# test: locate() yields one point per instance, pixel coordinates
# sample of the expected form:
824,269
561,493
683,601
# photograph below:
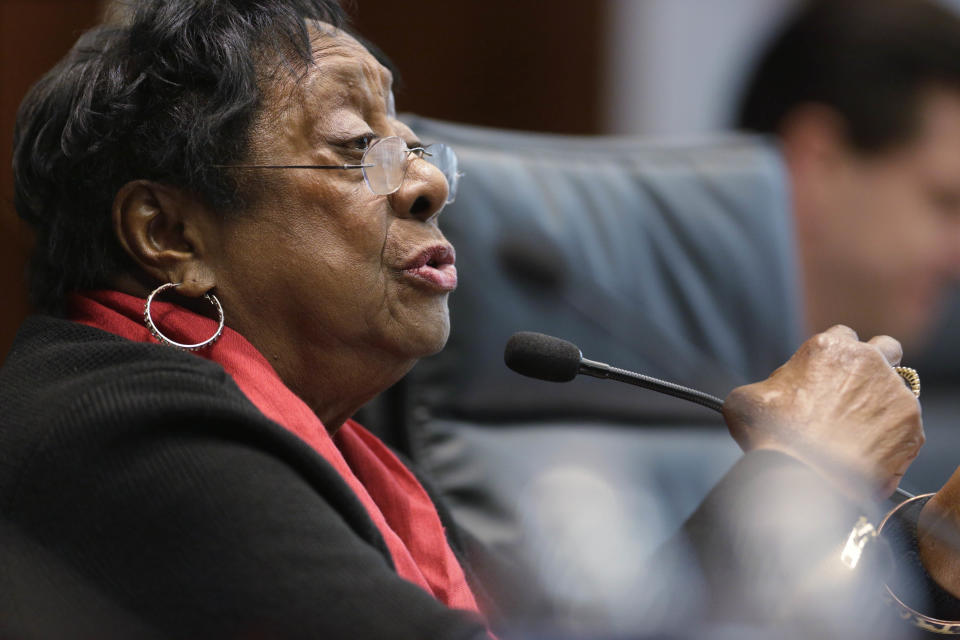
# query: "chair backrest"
673,259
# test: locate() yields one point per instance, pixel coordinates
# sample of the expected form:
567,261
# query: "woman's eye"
361,143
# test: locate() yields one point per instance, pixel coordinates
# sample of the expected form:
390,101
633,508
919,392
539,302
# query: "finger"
843,331
889,347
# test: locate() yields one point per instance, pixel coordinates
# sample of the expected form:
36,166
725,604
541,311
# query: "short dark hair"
165,94
870,60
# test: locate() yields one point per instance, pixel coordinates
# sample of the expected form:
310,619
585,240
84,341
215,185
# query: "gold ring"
911,378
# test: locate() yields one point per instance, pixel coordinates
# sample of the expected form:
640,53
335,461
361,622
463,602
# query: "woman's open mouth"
434,266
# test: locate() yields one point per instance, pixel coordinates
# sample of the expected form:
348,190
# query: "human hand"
838,406
938,535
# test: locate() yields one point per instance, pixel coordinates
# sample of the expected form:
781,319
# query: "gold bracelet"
904,611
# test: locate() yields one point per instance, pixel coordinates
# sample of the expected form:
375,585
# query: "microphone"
544,357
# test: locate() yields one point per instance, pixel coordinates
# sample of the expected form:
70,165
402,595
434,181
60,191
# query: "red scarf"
392,496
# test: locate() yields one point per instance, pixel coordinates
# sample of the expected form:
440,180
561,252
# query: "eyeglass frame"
419,150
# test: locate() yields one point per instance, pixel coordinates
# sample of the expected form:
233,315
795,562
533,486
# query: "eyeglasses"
384,165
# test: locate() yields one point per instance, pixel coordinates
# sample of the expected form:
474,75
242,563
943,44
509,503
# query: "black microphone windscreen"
541,356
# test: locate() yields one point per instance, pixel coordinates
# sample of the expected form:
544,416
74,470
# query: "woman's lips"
434,266
443,277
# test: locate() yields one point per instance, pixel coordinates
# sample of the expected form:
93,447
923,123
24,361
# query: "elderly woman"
237,247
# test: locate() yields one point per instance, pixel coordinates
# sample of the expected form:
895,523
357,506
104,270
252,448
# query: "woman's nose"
423,192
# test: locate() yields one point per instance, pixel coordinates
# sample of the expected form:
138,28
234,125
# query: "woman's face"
321,267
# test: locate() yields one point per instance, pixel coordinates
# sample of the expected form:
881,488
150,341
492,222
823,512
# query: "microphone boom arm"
603,370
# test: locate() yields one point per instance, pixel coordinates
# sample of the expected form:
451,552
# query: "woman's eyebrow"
359,73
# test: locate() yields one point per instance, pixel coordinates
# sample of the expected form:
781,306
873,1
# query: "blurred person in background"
864,96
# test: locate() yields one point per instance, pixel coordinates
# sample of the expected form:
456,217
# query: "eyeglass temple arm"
293,166
424,150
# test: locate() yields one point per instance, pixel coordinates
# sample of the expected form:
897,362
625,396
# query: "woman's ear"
164,231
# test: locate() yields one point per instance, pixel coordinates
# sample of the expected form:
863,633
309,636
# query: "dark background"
503,63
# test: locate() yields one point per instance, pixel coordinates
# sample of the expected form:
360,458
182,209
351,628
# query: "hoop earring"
148,320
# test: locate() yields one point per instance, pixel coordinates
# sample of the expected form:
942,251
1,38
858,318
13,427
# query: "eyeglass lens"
443,158
387,161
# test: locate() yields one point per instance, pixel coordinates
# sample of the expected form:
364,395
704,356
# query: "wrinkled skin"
838,406
313,275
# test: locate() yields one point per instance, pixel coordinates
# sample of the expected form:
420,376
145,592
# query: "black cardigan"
142,495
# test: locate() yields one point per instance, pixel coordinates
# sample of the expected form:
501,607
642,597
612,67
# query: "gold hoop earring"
148,320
